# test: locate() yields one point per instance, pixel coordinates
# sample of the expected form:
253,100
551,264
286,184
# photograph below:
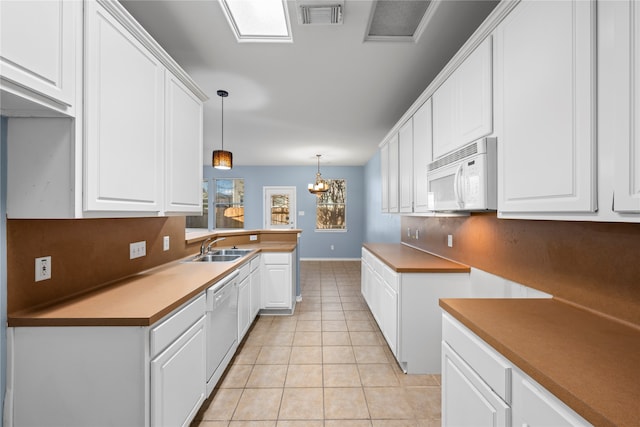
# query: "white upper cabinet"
183,148
393,174
462,105
422,145
38,54
545,108
124,123
620,91
384,176
405,169
133,145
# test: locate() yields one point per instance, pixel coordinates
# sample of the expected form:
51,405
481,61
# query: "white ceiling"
328,92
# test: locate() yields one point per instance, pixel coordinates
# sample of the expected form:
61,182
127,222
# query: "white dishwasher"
221,327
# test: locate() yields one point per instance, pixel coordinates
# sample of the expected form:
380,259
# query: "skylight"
258,20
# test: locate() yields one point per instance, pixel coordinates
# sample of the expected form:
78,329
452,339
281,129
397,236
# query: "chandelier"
320,186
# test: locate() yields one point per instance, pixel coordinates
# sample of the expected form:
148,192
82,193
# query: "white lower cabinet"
278,281
405,306
78,376
177,386
255,282
481,388
244,301
466,400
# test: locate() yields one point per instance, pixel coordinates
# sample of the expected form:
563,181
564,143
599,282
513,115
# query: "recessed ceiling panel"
397,19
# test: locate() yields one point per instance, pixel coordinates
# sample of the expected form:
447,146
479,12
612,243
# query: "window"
331,207
229,203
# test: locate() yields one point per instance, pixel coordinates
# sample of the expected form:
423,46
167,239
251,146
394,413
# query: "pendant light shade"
222,159
320,186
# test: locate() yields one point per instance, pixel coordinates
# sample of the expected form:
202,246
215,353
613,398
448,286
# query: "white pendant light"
320,186
222,159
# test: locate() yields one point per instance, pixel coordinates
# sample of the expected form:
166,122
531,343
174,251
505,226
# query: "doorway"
279,207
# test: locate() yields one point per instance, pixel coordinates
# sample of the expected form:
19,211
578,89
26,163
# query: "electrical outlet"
165,243
43,268
253,237
331,247
137,249
300,213
450,240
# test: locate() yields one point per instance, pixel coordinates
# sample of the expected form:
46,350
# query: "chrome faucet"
204,248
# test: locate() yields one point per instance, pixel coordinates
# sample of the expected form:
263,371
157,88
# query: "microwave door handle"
457,186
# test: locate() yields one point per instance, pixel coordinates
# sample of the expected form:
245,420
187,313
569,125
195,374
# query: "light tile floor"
326,366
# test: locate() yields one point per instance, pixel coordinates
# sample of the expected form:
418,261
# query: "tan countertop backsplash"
88,253
593,264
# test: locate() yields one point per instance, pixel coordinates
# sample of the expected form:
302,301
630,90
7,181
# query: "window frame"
214,203
345,203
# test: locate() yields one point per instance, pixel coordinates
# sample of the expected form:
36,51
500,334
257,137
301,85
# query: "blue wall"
313,244
379,227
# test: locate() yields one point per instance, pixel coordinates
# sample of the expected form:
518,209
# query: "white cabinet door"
384,176
183,149
178,379
474,100
393,174
466,400
276,286
256,286
422,146
244,308
405,166
277,282
537,407
377,286
443,118
38,49
389,316
255,283
545,107
627,85
124,127
463,105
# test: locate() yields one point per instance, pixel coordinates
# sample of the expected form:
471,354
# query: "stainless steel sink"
213,257
241,252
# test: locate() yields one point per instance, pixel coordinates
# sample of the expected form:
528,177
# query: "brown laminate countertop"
405,259
590,362
140,300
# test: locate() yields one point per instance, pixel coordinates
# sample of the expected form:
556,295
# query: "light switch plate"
253,237
450,240
137,249
165,243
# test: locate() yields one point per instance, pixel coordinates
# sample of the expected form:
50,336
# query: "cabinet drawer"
390,277
243,272
378,266
255,263
484,360
172,327
367,257
276,257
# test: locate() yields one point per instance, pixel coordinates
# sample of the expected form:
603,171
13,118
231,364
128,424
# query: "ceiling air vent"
320,14
399,20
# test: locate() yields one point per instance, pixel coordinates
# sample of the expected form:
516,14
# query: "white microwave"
465,179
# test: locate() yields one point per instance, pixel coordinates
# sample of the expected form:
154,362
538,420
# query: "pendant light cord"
222,124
